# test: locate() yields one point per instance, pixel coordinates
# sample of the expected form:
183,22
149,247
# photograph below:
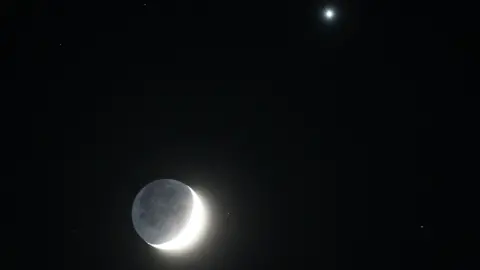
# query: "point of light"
192,231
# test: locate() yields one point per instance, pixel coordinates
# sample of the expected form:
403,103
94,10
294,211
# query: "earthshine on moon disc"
168,215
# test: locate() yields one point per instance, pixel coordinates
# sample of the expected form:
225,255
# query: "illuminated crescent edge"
192,231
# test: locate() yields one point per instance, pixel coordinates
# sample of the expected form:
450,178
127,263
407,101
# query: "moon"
328,13
168,215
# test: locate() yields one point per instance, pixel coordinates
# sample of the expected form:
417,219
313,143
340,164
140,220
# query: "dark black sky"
329,144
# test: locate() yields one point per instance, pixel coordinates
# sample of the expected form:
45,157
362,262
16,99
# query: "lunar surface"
166,214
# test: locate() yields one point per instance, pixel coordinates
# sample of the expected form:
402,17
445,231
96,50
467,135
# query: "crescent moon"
192,231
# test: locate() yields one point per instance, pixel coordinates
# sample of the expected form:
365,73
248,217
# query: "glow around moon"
192,231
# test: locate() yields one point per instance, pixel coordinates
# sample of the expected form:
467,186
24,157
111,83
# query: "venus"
168,215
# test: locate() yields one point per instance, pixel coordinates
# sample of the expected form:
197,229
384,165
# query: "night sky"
342,144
